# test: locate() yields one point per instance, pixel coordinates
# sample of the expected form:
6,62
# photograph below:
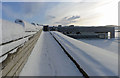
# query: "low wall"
14,63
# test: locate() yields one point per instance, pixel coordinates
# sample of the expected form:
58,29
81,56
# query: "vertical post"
112,34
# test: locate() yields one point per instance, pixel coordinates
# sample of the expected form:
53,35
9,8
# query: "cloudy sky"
83,12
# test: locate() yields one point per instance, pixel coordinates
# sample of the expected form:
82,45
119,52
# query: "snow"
48,59
29,33
3,58
98,57
12,31
94,59
27,26
107,44
8,47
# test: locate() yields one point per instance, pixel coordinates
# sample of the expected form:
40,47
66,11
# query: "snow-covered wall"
28,26
16,45
13,35
14,62
11,31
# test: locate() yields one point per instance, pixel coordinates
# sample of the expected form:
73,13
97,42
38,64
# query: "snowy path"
48,59
95,61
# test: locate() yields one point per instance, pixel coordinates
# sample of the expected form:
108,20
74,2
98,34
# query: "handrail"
11,50
15,40
14,47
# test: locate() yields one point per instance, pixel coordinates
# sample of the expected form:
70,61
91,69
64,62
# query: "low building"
87,32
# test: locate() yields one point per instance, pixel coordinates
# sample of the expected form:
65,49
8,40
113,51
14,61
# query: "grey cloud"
68,20
57,22
51,17
73,17
65,22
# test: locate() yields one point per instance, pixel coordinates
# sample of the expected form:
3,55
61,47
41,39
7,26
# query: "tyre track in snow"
48,59
72,59
51,66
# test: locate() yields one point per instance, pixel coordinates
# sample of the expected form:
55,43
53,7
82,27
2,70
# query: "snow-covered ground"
48,59
107,44
97,58
110,45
